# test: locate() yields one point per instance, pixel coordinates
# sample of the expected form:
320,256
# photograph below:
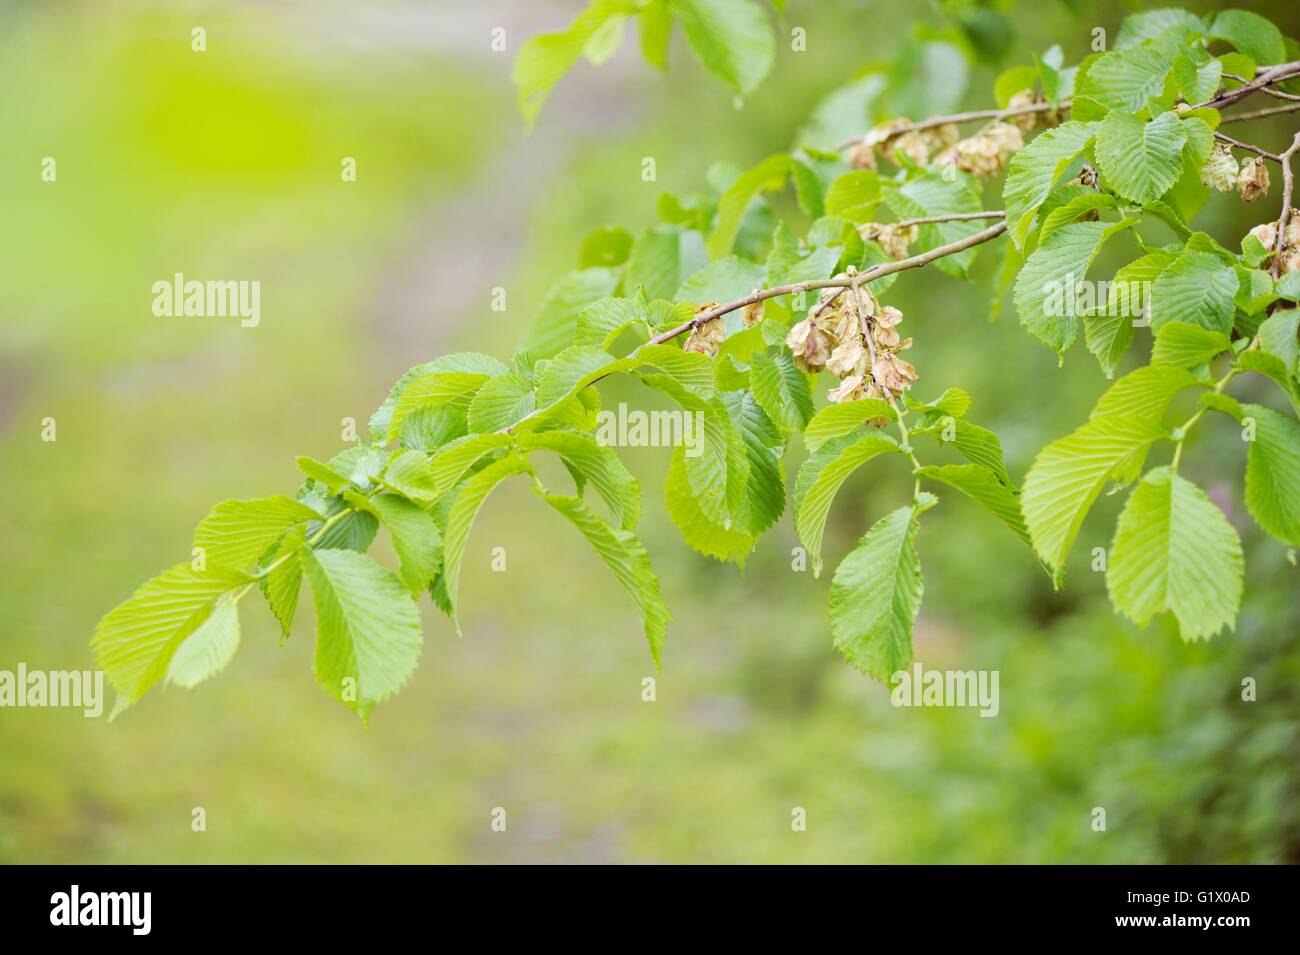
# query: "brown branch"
969,117
1288,184
1266,90
861,278
1259,113
1274,74
1238,144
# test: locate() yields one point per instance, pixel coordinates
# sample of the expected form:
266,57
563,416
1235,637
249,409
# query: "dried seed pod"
986,153
1266,233
893,238
1025,122
893,373
862,155
1252,181
810,345
849,389
707,338
1220,170
752,314
888,316
844,360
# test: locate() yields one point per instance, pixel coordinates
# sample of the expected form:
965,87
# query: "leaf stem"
1187,425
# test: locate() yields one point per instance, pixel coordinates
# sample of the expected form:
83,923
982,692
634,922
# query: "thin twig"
1275,74
1238,144
1288,184
1266,90
969,117
861,278
1259,113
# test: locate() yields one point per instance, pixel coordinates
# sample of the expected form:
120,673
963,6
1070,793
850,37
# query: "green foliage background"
226,164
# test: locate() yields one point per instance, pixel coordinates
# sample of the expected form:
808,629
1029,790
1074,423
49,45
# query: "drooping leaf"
235,533
731,38
624,554
135,641
206,651
821,477
875,596
367,628
1175,551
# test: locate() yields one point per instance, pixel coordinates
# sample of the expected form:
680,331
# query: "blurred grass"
227,165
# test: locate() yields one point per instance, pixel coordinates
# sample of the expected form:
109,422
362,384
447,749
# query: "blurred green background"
226,164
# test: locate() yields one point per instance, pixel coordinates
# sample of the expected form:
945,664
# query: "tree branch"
1288,185
862,278
1238,144
969,117
1274,74
1259,113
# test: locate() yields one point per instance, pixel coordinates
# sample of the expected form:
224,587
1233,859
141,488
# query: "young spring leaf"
820,479
982,485
875,596
235,533
598,464
135,641
624,554
731,38
781,389
1034,170
208,649
416,539
1140,160
1174,550
280,585
367,628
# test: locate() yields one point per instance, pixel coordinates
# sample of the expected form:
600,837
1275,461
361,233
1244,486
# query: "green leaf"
604,320
982,485
1186,345
624,554
416,539
1197,73
281,584
768,175
236,533
1141,161
833,421
1110,332
135,641
655,22
501,402
554,325
1277,336
324,474
1175,551
449,466
709,538
821,477
718,473
932,195
764,448
1250,33
1198,288
545,58
953,401
722,281
781,389
433,389
731,38
1149,24
1045,291
1273,474
208,649
463,511
1271,366
854,195
598,464
367,628
977,445
1068,474
875,596
1125,79
661,258
409,475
